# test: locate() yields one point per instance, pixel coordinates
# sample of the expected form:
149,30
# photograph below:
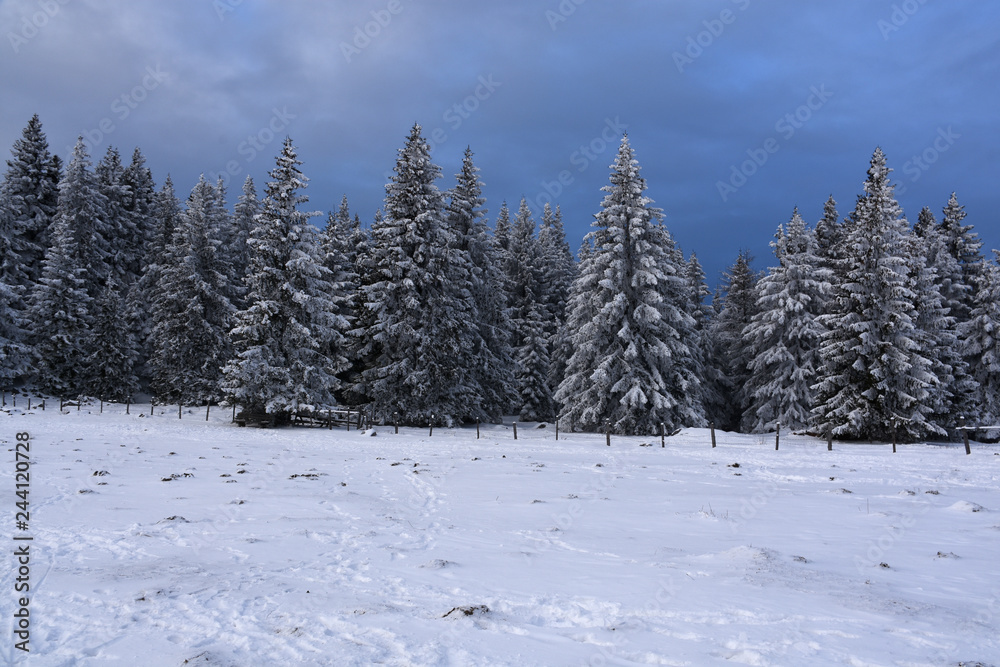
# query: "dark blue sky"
539,90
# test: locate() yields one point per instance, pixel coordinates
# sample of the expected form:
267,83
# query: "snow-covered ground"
160,541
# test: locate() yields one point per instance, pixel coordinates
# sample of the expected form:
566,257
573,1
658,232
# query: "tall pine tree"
628,365
289,341
784,334
421,303
73,275
874,375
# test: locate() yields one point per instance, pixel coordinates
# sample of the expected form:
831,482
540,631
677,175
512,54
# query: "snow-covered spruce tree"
935,278
736,303
523,269
784,335
14,354
122,240
874,372
165,214
965,247
557,268
242,221
532,363
114,352
581,308
28,196
980,336
73,274
558,274
363,350
423,314
494,361
139,204
288,341
192,314
337,244
528,305
626,365
703,347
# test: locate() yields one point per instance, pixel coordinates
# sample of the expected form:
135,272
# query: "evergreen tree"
829,232
73,272
784,334
558,274
165,215
28,196
874,372
532,362
114,352
119,229
980,335
937,282
192,314
965,247
244,212
493,362
421,303
627,366
737,305
703,346
138,205
337,243
289,341
14,353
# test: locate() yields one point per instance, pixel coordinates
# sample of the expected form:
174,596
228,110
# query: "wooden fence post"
128,404
151,403
395,421
663,435
208,406
893,436
829,440
515,430
432,427
711,426
234,413
607,431
102,406
180,407
29,403
777,434
965,435
477,429
557,429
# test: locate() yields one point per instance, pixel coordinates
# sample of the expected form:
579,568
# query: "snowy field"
160,541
